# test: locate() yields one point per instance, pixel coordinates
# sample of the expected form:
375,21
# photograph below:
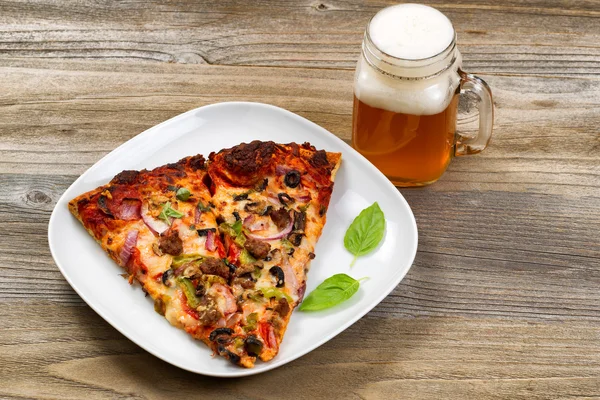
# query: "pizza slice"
153,223
270,202
210,274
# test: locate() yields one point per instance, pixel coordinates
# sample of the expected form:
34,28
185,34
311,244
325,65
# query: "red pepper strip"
220,247
268,335
184,304
234,253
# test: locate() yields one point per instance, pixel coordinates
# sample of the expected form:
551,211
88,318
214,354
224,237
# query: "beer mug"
406,90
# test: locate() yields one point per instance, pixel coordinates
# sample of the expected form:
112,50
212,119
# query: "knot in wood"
38,197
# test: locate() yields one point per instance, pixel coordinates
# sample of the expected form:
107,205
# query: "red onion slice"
210,241
301,291
281,170
273,200
233,319
127,248
284,232
129,210
291,281
304,198
225,300
179,271
249,219
252,225
156,226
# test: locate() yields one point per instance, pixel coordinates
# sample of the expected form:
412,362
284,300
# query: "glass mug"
405,109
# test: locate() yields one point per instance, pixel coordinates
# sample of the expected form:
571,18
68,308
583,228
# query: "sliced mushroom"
200,290
295,238
276,256
247,268
256,207
245,281
263,185
191,270
299,221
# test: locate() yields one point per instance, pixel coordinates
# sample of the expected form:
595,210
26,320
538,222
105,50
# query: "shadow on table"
370,350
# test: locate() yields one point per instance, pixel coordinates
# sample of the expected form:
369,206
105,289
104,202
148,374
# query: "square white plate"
96,278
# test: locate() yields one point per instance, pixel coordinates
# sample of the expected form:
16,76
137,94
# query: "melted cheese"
299,261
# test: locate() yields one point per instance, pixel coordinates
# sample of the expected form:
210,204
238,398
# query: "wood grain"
77,355
87,109
533,38
502,301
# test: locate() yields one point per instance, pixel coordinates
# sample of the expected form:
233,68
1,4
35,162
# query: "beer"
406,90
411,150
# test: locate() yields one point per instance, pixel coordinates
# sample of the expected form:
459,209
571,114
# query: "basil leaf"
202,207
163,215
331,292
183,194
167,212
365,232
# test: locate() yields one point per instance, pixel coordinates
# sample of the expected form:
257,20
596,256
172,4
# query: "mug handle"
475,144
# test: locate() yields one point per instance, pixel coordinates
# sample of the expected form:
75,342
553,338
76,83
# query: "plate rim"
273,363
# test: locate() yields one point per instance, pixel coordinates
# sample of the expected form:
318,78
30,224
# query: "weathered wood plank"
542,140
502,300
539,262
495,37
76,354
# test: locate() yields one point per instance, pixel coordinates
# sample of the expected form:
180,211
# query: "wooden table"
503,299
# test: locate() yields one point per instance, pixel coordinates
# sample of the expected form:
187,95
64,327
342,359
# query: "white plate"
358,184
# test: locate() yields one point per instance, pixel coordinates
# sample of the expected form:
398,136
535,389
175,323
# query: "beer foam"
411,32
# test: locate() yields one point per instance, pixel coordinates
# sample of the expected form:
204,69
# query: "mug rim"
451,50
450,46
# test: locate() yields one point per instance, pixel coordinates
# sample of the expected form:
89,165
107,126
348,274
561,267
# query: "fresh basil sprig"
183,194
365,232
167,212
331,292
202,207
